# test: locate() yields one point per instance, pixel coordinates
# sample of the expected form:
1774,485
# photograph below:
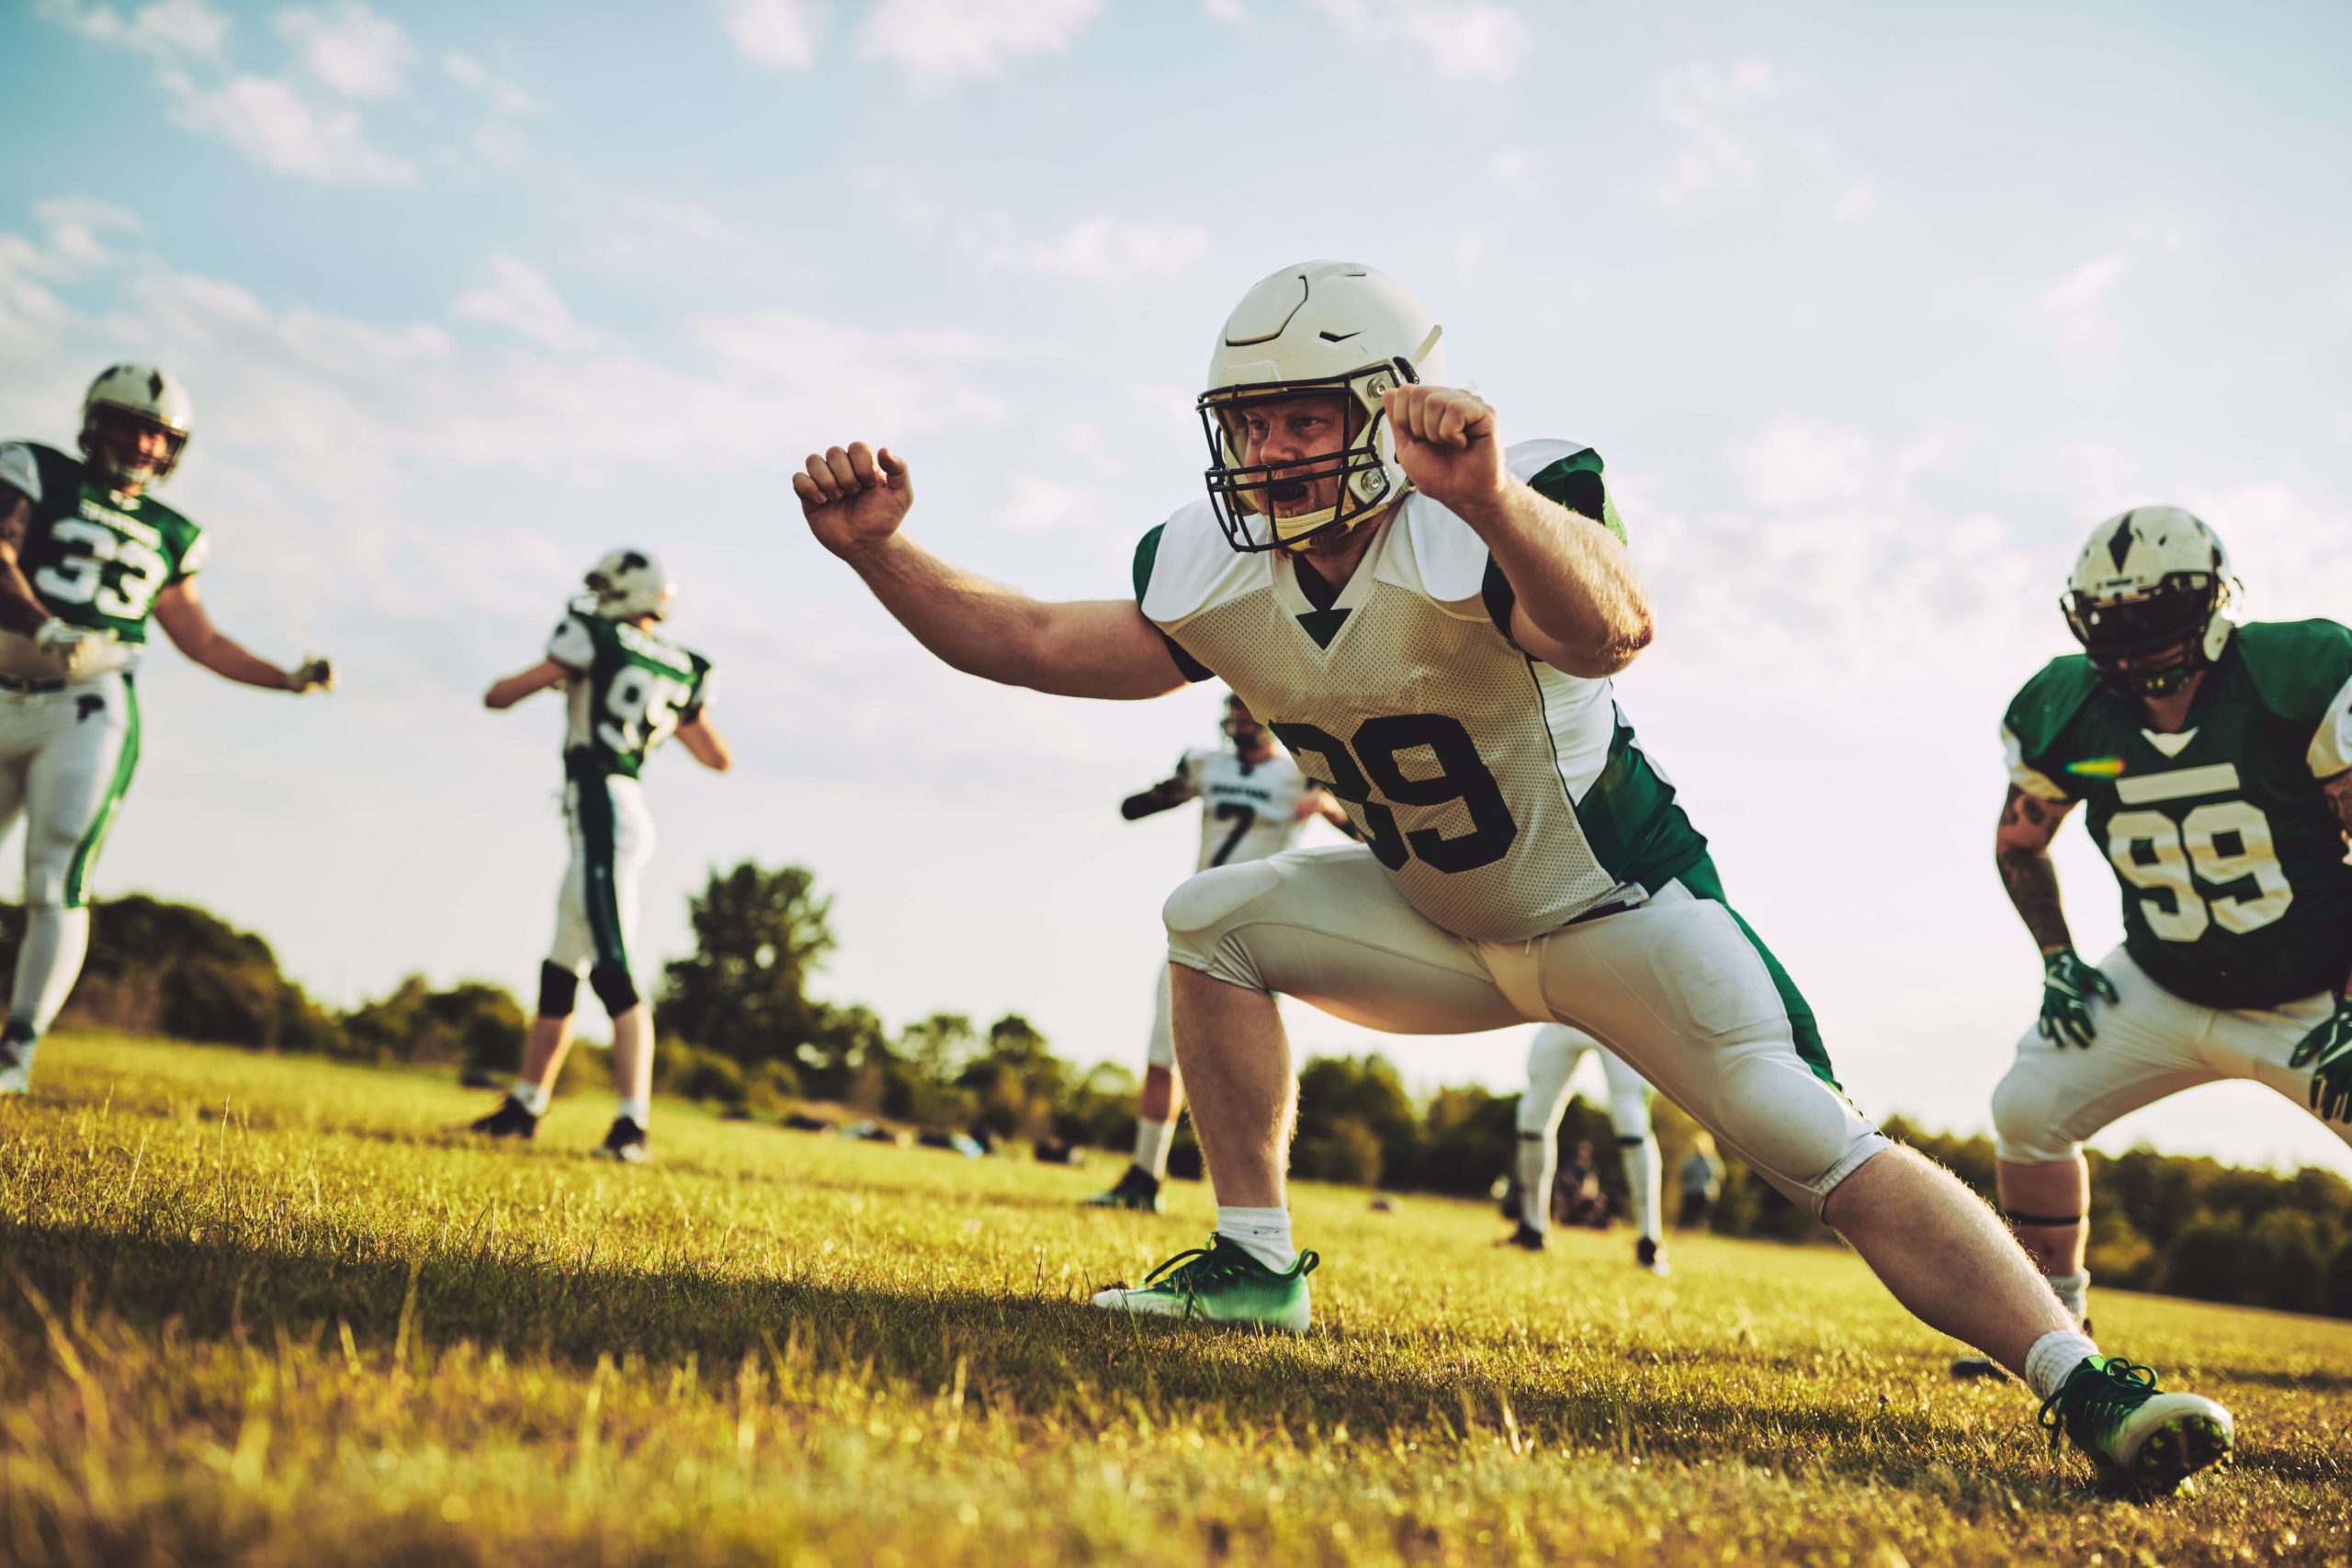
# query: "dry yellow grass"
270,1312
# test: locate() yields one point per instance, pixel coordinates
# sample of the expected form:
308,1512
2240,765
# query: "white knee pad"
1206,917
2025,1118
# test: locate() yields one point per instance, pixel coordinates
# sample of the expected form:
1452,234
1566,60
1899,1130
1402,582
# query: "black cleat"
509,1120
625,1142
1138,1188
1508,1202
1527,1238
1650,1255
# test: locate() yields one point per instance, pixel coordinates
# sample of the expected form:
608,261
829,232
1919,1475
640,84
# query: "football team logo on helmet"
629,583
124,413
1320,327
2145,600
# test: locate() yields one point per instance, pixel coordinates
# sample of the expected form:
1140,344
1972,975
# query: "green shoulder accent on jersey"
2297,667
1147,556
2043,709
691,709
60,474
1499,597
1575,483
1702,879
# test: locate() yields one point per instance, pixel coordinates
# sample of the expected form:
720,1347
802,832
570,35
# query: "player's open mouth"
1288,492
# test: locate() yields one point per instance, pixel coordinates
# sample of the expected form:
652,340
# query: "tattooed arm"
2021,849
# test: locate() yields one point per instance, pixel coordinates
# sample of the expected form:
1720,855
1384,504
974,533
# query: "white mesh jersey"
1503,798
1249,810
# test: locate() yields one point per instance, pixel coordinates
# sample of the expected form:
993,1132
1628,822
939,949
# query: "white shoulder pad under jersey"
1503,797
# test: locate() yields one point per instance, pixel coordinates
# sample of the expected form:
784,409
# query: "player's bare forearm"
21,609
2021,850
505,693
1088,649
1581,607
706,745
231,661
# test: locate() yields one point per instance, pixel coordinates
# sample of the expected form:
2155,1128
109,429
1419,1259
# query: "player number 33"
80,578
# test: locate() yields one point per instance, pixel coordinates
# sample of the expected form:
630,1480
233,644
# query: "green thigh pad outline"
1704,882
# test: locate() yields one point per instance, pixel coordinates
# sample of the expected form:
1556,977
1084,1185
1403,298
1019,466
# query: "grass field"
269,1310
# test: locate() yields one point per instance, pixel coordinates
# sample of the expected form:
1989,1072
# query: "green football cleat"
1138,1188
2134,1432
1220,1283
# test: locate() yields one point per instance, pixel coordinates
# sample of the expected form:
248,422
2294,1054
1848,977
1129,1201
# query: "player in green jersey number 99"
630,689
87,556
2215,764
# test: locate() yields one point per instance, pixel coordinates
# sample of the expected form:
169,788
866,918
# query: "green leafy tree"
759,935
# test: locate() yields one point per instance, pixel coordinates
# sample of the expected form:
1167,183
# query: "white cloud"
269,120
1232,13
778,34
1796,465
934,44
1465,39
1854,202
504,96
1695,99
1034,504
2075,304
1100,249
519,297
355,50
165,29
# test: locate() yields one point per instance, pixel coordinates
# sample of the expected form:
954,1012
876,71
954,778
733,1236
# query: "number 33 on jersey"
631,689
98,558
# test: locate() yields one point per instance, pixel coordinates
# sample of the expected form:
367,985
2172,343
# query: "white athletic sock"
2074,1292
1152,1139
56,941
1642,1175
637,1110
1536,1168
1263,1234
2053,1356
532,1098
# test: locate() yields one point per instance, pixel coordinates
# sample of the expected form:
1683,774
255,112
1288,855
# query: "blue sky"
1871,310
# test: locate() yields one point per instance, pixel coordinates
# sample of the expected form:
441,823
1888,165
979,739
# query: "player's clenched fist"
853,498
1447,441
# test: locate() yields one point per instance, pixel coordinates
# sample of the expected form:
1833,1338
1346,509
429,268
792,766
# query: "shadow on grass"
1024,1356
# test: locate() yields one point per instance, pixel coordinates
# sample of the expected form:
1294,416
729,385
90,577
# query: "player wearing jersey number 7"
2214,763
87,557
1427,618
629,690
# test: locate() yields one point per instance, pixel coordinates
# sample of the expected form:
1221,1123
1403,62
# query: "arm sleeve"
1147,554
2331,751
2029,779
193,558
570,646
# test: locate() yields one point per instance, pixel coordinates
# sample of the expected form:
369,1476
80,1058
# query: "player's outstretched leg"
632,1067
544,1049
1553,1055
1628,1115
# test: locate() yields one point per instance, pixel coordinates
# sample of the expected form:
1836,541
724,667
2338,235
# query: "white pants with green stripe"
1677,987
66,758
612,839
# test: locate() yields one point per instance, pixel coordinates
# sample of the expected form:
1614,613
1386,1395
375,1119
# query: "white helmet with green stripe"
1321,327
629,584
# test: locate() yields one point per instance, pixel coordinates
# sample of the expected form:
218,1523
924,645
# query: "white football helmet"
1317,327
146,397
629,583
2145,600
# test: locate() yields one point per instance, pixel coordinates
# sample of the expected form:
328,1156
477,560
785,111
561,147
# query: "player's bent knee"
1206,917
2026,1128
558,990
613,987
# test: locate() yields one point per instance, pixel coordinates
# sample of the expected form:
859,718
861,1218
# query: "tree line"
742,1031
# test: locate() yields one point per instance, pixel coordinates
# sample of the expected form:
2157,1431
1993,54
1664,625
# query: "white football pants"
1553,1053
1678,987
612,841
66,757
2150,1044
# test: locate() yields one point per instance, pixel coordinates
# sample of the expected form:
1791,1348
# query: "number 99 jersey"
1249,810
1503,798
629,690
2235,890
98,558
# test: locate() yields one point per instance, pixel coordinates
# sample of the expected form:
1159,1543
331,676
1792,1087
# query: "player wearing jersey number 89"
1253,800
87,556
628,689
2215,764
1428,619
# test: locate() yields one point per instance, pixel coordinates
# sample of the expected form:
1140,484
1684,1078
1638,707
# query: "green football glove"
2067,987
2327,1051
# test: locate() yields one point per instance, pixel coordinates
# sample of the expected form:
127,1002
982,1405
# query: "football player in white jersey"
87,556
1553,1053
1428,619
628,689
1253,801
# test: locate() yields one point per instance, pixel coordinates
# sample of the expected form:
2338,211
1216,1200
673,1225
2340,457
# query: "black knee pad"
558,988
613,987
1624,1143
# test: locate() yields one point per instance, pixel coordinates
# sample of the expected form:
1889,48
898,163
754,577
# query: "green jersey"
98,558
2236,892
630,689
